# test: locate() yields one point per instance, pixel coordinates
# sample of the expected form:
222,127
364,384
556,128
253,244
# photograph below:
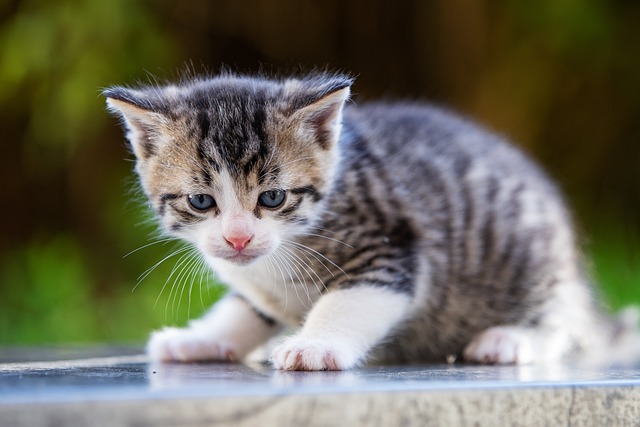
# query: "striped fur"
438,236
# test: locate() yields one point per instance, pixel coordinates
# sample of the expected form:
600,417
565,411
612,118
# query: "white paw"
305,354
501,345
185,345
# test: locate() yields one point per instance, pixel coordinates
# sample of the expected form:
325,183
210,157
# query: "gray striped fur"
411,198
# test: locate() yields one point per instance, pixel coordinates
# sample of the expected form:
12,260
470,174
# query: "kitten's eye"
271,199
201,202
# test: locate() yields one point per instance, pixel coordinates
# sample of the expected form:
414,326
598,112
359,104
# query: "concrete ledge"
119,391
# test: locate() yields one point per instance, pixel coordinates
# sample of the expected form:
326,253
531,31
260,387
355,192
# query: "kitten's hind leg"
566,322
501,345
517,345
230,331
342,328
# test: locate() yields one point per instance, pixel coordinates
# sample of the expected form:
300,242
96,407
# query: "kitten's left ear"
143,121
322,117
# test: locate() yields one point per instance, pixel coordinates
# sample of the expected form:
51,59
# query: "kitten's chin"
240,259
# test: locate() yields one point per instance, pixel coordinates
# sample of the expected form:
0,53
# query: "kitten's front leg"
342,328
230,331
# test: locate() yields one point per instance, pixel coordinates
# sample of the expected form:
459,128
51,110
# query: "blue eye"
201,202
271,199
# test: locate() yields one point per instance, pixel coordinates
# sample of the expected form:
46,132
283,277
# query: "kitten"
389,233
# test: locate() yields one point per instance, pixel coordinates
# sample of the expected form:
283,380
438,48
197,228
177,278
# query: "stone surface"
93,387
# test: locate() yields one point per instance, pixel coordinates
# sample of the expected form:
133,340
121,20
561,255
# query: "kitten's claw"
300,354
501,345
184,345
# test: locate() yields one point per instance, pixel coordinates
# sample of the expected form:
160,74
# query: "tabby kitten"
389,233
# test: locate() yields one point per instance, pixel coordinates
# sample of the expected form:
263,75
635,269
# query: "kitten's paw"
501,345
185,345
304,354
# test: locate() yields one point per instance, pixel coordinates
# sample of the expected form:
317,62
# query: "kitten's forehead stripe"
205,125
241,147
205,157
258,124
207,177
241,141
251,164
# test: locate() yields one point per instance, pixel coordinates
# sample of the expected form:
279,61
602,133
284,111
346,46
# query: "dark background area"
561,78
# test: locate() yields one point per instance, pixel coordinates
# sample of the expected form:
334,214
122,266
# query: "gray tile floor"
64,381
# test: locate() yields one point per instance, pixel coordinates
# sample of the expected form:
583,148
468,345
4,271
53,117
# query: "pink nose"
238,242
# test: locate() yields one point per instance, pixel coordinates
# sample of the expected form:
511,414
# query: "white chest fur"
276,291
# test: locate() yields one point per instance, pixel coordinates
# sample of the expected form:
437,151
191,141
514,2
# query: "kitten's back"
491,227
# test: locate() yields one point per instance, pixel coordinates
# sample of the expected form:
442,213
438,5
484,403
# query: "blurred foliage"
560,77
52,52
615,264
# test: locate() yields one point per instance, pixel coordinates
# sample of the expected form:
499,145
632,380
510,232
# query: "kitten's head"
235,164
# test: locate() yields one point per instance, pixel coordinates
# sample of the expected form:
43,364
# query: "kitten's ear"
144,123
321,111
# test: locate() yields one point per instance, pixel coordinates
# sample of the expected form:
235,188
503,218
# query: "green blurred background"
560,77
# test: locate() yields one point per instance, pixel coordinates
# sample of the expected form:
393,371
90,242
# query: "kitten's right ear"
319,101
143,122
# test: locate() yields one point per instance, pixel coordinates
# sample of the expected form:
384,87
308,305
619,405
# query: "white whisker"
204,275
311,250
284,281
192,273
285,264
165,240
329,238
306,268
148,271
181,280
177,267
296,271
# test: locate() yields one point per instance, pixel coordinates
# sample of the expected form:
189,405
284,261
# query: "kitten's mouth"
242,258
